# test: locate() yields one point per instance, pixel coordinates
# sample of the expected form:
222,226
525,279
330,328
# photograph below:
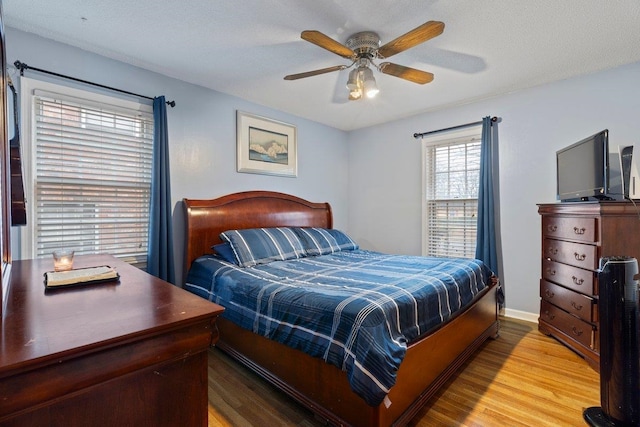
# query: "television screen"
582,169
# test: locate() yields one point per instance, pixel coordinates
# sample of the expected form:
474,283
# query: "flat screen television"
582,170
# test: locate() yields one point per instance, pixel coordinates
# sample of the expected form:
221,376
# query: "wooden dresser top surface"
591,208
40,326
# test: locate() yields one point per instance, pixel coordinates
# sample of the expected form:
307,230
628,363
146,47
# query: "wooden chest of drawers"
574,237
125,353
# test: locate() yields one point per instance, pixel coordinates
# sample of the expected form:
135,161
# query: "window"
90,173
451,181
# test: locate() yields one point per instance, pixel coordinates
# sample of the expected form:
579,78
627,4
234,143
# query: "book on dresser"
80,276
575,235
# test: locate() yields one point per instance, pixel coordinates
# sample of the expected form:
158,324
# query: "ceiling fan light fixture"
372,90
369,83
352,83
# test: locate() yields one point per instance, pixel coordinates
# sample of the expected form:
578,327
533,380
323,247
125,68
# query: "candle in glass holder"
63,260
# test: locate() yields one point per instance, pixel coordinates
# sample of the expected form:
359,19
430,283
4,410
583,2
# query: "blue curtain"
488,229
160,254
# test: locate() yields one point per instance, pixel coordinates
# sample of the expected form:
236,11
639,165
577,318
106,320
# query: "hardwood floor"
523,378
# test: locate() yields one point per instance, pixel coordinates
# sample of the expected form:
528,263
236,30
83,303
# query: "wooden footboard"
325,390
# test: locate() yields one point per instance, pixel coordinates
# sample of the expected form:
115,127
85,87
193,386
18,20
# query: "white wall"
385,166
202,133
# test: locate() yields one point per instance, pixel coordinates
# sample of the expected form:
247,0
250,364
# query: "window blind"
452,170
92,178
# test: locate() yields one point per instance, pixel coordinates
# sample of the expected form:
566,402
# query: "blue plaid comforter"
355,309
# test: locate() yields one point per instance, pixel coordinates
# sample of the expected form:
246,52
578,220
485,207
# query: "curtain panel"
488,228
160,260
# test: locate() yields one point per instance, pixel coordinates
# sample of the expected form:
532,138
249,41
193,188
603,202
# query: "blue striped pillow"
322,241
263,245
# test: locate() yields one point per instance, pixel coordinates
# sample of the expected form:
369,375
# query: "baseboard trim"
521,315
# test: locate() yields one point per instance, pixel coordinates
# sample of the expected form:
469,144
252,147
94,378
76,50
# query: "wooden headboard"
206,219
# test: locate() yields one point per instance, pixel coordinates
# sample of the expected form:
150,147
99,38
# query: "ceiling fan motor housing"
365,43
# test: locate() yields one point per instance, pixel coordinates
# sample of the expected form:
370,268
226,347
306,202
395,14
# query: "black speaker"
626,159
619,353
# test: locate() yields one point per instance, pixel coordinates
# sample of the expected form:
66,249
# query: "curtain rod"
420,135
22,66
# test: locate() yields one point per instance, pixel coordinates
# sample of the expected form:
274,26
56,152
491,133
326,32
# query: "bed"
427,360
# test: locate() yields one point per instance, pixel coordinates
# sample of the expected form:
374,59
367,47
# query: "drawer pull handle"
553,251
552,228
549,294
577,281
576,331
576,306
577,230
549,315
579,257
551,272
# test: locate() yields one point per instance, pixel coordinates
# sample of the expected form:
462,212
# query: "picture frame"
266,146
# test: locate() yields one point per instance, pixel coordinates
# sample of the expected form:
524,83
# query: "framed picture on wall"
266,146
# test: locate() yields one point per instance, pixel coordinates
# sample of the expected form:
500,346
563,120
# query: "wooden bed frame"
323,388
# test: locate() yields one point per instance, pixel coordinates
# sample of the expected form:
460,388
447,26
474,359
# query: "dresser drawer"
577,254
578,279
581,229
572,302
576,329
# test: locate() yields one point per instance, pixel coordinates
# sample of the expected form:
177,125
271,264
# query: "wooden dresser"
127,353
575,236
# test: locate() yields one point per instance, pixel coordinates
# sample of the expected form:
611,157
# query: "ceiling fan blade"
326,42
407,73
418,35
315,72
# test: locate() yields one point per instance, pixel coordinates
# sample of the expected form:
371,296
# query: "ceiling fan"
363,48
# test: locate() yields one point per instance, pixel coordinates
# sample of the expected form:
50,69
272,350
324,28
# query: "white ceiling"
246,47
